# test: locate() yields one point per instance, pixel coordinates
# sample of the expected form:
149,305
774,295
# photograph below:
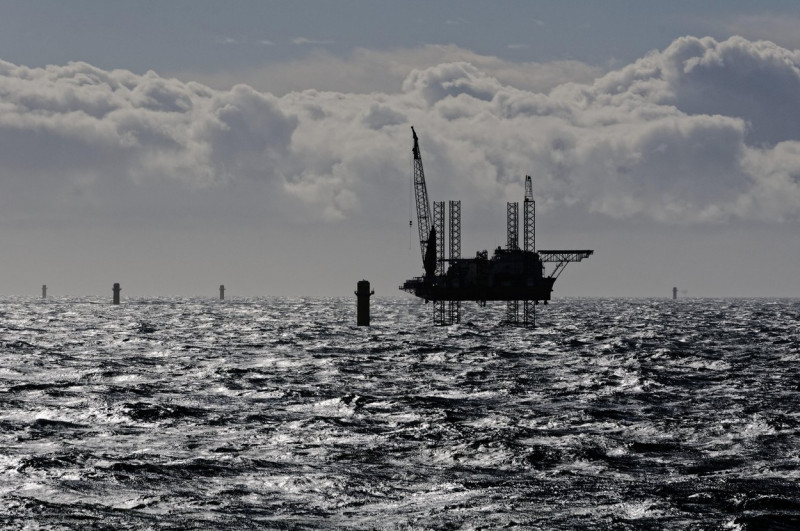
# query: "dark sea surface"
279,413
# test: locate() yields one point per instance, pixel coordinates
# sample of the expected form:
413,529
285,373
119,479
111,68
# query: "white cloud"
307,41
696,133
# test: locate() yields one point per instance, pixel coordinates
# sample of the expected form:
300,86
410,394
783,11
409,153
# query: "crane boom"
423,206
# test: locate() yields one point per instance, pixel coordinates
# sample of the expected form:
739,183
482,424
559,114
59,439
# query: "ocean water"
280,413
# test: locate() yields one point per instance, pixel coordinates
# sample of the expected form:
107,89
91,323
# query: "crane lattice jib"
421,196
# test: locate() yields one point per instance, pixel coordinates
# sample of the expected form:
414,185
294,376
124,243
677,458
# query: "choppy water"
281,414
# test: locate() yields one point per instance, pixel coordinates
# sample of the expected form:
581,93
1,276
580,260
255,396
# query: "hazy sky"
175,146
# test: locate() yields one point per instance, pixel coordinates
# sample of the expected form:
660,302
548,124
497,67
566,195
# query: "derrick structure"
529,243
529,218
511,274
446,312
438,225
454,307
512,244
512,226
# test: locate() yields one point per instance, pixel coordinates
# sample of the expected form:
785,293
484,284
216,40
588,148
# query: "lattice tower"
529,214
438,224
454,307
512,226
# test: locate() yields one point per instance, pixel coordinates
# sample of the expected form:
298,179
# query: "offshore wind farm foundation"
363,293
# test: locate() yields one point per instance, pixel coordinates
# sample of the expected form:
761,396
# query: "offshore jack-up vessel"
511,274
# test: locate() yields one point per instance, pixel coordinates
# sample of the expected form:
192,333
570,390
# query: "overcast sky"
176,146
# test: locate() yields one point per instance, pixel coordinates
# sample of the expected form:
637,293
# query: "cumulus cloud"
754,81
78,131
696,133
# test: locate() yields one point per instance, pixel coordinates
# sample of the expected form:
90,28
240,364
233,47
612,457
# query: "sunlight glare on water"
281,413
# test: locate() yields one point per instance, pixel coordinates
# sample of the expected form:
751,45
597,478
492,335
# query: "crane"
427,234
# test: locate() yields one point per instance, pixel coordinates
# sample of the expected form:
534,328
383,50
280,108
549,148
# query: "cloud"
366,71
694,134
74,136
306,41
755,81
243,41
778,28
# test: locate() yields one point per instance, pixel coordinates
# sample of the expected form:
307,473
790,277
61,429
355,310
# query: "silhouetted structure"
674,293
222,292
511,274
363,293
44,291
117,289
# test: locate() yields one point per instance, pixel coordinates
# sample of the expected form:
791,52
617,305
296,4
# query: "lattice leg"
512,225
438,313
438,224
512,312
454,311
530,314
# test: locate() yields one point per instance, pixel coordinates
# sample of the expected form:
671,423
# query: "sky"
265,145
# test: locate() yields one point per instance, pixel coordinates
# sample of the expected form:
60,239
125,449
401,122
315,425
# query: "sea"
281,413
